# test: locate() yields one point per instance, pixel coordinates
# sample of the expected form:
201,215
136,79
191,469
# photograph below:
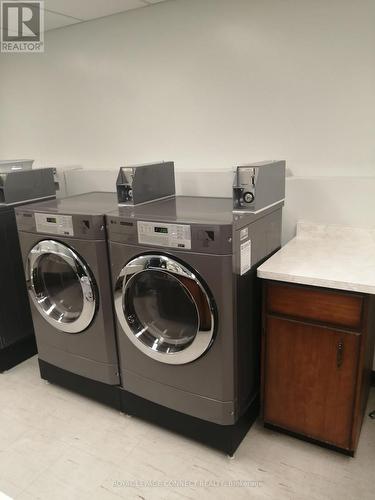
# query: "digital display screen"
163,230
52,219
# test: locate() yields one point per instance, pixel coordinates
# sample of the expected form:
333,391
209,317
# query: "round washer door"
61,286
164,309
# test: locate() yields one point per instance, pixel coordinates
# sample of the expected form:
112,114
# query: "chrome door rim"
80,269
165,264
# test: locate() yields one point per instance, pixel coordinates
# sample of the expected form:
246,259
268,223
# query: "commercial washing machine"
64,249
187,305
18,185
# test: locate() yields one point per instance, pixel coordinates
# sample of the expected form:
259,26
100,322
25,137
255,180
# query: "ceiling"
60,13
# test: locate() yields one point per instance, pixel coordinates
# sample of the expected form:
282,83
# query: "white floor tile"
9,489
55,445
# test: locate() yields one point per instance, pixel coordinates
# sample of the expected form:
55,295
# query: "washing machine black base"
17,352
226,438
98,391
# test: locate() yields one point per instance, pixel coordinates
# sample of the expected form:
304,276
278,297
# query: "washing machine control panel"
164,235
54,224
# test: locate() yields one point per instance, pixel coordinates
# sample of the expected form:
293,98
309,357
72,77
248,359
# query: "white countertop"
328,256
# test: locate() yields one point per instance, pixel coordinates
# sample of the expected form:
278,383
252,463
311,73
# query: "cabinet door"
310,378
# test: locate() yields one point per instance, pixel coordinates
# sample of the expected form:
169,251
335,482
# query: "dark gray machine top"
181,222
80,216
196,224
184,209
94,203
192,223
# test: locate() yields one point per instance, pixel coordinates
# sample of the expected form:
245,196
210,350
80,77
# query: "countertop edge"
319,282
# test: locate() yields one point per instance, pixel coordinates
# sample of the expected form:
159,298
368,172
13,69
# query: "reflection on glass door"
61,287
164,309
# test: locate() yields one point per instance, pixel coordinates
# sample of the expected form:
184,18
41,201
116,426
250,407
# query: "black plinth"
98,391
225,438
17,352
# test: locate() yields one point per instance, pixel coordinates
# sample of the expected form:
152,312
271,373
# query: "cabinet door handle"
340,353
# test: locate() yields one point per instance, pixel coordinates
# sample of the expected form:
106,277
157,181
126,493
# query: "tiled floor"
57,445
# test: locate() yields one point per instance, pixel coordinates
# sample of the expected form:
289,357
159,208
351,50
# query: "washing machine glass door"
164,309
61,286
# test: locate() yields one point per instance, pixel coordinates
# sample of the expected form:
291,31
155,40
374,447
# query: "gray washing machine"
64,250
188,313
18,185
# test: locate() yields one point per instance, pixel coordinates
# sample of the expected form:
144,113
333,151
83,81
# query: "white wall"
207,83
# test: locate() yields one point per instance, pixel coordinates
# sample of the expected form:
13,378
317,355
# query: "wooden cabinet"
317,356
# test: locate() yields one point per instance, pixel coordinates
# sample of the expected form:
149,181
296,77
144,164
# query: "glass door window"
164,309
61,287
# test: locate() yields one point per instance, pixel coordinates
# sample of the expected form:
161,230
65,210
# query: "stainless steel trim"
131,204
30,200
42,302
162,263
246,211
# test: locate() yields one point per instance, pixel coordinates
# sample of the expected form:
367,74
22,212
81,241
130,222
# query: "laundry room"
187,249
